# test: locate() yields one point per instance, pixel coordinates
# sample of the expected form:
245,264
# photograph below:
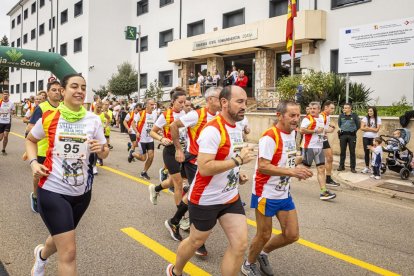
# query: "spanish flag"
289,25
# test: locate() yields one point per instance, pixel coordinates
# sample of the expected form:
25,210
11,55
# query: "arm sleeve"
37,131
209,140
37,114
267,148
190,119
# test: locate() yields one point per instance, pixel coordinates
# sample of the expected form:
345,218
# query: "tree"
102,91
4,70
125,81
154,91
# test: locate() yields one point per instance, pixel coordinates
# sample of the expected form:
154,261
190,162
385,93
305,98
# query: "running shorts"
147,146
270,207
5,128
133,137
326,145
168,155
310,155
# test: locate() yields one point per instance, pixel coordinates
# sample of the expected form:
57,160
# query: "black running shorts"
204,217
168,155
133,137
61,213
147,146
5,128
326,145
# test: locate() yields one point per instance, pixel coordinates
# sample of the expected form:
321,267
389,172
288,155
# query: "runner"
214,193
96,99
275,166
108,115
164,122
105,124
328,110
53,99
312,128
66,178
128,123
29,113
144,121
6,111
194,122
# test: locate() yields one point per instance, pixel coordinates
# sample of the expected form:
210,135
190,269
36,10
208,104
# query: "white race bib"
237,141
71,146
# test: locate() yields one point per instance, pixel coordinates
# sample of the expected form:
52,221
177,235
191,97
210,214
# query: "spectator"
216,78
370,125
376,149
349,124
192,79
228,78
200,79
234,74
209,78
241,80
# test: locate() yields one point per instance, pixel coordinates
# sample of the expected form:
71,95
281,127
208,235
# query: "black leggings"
61,213
367,142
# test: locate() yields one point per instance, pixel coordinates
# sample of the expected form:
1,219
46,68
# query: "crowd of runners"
204,149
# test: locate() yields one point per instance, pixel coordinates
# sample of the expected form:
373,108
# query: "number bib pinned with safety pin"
290,147
71,146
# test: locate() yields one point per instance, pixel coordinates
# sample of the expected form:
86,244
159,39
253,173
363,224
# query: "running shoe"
264,265
366,170
99,162
163,174
377,177
110,147
372,176
174,230
129,146
171,189
332,183
153,194
185,224
130,157
95,170
38,268
202,251
145,175
250,270
33,203
327,195
3,152
169,270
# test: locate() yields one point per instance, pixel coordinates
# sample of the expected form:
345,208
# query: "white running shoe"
185,223
153,194
377,177
372,176
38,268
366,170
95,170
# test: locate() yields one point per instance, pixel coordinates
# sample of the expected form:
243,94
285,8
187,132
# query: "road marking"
336,254
162,251
18,135
314,246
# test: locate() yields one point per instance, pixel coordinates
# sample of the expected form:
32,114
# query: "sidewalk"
390,183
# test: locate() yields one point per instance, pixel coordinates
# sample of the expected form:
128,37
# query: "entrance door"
246,63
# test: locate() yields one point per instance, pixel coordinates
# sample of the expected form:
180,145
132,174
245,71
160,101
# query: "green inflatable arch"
37,60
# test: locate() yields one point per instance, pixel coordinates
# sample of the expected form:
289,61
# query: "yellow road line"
162,251
333,253
18,135
314,246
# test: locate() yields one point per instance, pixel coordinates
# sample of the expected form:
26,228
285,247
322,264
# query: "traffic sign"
131,33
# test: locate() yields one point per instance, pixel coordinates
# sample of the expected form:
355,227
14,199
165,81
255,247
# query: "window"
40,85
233,18
41,3
77,45
142,7
51,50
12,89
52,22
165,77
335,62
17,88
12,44
41,29
33,34
32,88
19,19
143,81
165,2
25,13
64,16
144,44
283,64
279,7
33,10
13,23
78,9
25,87
344,3
17,69
18,42
25,39
11,69
63,49
165,37
195,28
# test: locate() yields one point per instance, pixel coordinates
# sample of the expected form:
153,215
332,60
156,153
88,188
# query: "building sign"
378,46
223,40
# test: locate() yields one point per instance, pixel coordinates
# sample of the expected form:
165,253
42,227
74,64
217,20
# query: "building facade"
183,36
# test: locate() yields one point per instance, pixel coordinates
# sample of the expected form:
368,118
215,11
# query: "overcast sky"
5,7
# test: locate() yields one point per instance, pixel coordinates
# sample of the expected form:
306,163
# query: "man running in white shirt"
6,111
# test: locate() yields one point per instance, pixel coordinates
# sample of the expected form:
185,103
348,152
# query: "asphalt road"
122,233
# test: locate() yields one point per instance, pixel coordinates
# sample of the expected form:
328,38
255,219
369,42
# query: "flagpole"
292,52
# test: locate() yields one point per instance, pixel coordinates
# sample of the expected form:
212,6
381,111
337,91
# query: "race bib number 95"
71,146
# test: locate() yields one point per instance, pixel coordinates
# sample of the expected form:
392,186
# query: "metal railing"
267,98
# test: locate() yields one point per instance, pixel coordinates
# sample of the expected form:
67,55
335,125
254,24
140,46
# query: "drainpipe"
21,46
37,40
181,17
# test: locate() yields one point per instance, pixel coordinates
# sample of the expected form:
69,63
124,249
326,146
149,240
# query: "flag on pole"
290,26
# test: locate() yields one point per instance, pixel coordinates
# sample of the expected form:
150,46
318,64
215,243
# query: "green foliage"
125,81
154,91
396,109
4,70
102,91
320,86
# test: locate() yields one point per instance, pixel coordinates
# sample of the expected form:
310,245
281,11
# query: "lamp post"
139,63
